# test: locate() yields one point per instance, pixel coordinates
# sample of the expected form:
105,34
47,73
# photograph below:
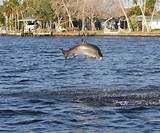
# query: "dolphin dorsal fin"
83,41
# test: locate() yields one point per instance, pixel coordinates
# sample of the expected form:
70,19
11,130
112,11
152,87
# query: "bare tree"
58,11
138,2
68,12
63,8
88,10
154,9
125,14
92,9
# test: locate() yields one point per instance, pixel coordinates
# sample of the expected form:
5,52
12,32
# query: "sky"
1,1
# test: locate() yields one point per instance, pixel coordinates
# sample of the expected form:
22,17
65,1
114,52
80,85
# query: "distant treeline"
65,12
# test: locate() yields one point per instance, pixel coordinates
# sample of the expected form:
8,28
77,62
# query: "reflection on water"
41,92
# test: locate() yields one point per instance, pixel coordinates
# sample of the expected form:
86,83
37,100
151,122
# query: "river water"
41,92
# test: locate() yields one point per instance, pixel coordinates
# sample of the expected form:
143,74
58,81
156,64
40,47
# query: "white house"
153,23
29,24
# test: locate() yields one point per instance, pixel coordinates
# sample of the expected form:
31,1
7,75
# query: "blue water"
41,92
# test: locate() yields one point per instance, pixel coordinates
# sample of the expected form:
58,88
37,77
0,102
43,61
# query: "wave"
25,122
146,96
9,112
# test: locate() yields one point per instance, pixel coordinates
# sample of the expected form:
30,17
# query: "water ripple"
40,91
26,122
8,112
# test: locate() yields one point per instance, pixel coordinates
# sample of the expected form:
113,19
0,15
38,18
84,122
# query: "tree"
43,10
150,4
58,11
10,12
68,13
125,14
2,18
147,7
138,3
154,9
101,9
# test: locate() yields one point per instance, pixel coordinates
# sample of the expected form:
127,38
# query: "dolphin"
87,49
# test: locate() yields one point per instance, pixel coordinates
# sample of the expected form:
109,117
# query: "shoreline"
86,33
101,33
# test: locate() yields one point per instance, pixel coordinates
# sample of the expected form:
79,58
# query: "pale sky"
1,1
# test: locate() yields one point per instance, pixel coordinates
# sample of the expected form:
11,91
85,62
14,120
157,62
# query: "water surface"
41,92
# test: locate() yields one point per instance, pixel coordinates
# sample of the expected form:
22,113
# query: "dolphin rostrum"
87,49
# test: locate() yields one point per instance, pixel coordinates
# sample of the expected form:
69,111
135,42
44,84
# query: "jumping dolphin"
87,49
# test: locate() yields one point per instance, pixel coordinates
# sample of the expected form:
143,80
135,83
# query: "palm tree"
6,12
10,12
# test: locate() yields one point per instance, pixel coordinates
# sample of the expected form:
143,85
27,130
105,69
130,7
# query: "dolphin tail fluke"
65,53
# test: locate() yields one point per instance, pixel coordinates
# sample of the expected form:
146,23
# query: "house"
153,23
28,24
115,23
